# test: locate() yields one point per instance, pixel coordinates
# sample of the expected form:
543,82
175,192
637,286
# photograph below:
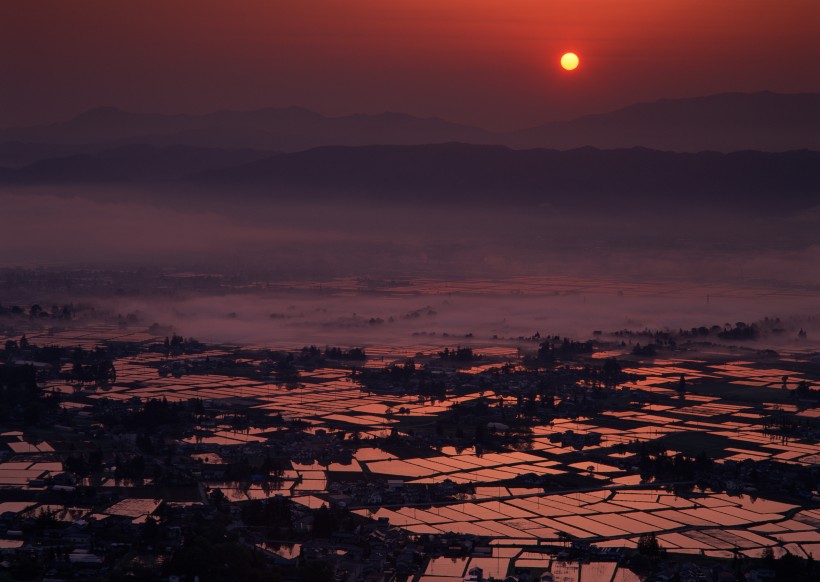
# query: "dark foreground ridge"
457,173
460,172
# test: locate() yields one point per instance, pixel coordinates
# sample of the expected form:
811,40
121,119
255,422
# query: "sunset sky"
492,63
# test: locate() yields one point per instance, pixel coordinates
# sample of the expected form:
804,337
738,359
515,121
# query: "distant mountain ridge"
639,155
724,122
281,129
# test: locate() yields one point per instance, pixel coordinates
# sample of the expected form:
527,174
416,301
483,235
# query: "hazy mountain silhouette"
725,122
135,163
15,154
586,176
288,129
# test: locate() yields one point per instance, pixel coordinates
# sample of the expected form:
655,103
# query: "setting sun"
570,61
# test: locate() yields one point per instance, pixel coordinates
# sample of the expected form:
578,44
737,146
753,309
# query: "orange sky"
487,62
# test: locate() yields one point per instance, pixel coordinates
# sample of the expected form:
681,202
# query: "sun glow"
570,61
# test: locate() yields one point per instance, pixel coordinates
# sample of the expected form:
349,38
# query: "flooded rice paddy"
731,398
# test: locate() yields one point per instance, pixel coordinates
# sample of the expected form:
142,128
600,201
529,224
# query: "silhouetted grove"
95,366
555,347
21,399
459,354
314,355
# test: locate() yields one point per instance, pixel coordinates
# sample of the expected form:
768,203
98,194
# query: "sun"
570,61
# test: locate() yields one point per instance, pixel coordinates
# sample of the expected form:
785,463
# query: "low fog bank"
495,315
519,270
129,229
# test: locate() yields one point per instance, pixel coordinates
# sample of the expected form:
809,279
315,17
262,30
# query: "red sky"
492,63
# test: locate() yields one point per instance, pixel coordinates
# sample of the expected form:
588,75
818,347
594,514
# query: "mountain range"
287,129
725,122
735,150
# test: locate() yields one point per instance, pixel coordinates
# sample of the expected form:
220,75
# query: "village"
128,455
